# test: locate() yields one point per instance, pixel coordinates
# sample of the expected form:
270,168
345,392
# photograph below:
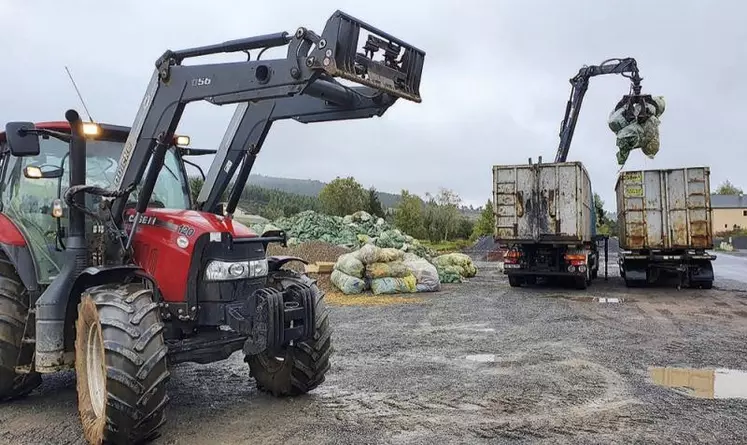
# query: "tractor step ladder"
28,339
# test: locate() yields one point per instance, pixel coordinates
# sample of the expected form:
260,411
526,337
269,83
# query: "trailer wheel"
120,364
13,313
303,366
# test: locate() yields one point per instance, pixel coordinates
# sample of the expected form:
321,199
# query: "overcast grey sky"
494,85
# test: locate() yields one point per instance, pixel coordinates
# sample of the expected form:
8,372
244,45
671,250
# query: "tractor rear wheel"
301,367
120,362
13,315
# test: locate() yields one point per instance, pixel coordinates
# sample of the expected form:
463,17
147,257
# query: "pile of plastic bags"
632,135
384,271
454,267
352,231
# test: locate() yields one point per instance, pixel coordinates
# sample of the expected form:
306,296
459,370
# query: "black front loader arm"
628,67
307,73
251,123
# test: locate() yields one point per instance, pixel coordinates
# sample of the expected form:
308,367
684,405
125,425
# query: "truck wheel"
633,283
13,312
303,366
514,281
120,363
581,283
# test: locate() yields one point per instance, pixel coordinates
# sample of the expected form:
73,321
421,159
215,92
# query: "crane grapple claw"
397,70
642,112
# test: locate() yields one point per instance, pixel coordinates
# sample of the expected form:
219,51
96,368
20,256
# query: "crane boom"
627,67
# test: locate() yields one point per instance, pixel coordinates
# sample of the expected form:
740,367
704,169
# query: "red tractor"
108,267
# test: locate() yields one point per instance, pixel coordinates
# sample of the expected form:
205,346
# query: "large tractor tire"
303,366
120,363
13,314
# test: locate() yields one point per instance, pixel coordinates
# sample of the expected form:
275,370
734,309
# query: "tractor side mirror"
22,141
43,172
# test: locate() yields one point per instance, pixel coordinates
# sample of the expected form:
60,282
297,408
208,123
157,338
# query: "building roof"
728,201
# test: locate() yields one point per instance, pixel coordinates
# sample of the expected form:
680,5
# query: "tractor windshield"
29,201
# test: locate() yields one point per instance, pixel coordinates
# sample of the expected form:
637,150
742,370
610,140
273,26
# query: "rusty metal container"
543,203
666,209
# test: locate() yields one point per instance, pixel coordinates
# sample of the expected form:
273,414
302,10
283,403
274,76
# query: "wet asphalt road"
732,267
548,365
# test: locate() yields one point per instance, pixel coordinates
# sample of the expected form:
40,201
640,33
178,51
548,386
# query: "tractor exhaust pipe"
77,174
51,305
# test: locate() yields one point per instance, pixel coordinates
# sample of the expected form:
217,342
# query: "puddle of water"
592,299
718,383
608,300
482,358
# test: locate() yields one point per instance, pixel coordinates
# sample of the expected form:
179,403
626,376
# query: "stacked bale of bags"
383,271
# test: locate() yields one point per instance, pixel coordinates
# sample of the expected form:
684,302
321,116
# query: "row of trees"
438,217
269,203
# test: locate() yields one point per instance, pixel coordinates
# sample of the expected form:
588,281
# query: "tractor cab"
31,187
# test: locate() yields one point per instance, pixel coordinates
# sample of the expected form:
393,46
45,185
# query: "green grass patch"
446,246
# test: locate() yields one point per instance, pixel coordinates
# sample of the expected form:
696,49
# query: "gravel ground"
556,367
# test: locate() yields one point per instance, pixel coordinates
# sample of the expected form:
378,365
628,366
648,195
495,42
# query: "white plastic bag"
426,274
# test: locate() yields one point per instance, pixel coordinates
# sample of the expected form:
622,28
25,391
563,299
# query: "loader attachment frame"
309,69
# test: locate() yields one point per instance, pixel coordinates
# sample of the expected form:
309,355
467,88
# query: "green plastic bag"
390,285
650,145
370,254
463,263
394,269
349,264
347,284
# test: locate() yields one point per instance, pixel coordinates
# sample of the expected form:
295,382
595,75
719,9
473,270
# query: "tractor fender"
9,233
96,275
14,244
276,262
21,259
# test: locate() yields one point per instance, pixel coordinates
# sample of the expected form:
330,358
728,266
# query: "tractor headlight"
235,270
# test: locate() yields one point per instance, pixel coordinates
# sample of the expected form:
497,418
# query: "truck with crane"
545,215
116,273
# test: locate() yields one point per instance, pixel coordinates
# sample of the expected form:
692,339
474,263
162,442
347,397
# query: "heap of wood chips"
312,251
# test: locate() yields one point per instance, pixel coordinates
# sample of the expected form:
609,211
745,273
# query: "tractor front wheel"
120,362
302,367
